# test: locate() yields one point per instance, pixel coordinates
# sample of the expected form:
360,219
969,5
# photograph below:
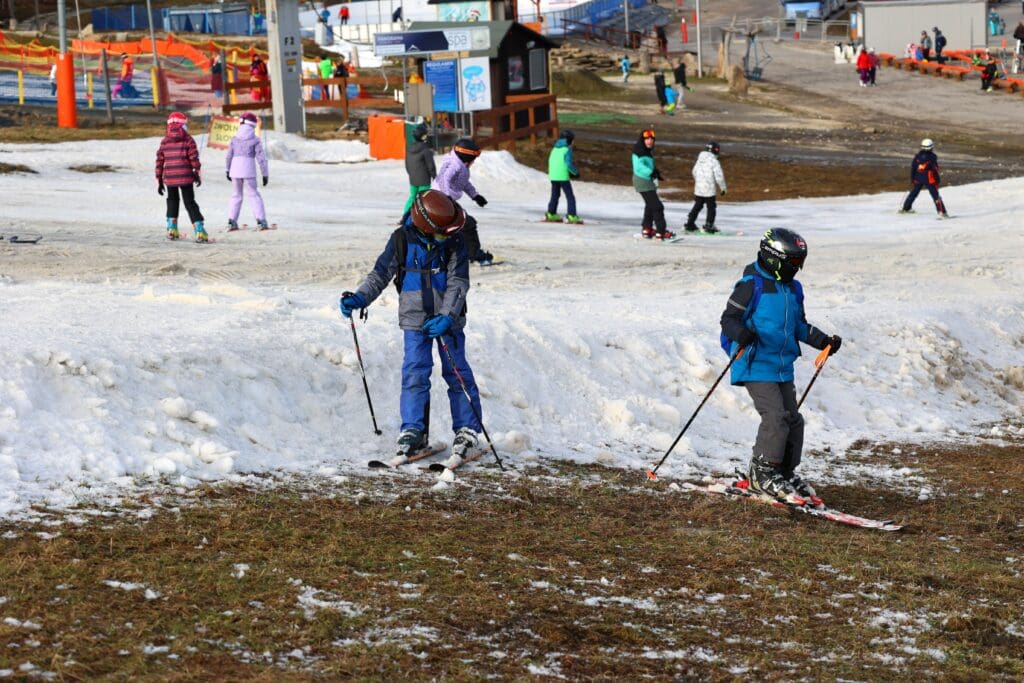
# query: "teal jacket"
643,170
560,163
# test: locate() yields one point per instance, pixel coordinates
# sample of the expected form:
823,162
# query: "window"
538,70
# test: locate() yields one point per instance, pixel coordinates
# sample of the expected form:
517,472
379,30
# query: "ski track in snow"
125,355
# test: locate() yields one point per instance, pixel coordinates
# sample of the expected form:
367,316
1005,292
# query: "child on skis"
177,169
419,164
924,172
428,262
453,180
708,177
765,316
244,152
560,171
645,181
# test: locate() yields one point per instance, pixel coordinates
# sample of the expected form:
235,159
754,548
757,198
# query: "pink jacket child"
244,152
177,170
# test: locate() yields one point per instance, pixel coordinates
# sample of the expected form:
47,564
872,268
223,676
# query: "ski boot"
690,227
409,442
172,229
648,233
201,235
262,225
803,489
667,235
709,229
552,218
484,258
574,219
232,225
767,479
462,447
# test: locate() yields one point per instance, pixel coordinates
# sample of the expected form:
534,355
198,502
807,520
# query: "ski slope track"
126,357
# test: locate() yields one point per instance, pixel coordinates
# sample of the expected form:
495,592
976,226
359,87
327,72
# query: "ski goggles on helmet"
648,133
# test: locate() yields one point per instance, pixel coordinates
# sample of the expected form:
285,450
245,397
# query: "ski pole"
362,370
462,383
652,474
819,363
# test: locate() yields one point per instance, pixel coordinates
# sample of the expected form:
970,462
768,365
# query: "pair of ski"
740,489
246,226
431,450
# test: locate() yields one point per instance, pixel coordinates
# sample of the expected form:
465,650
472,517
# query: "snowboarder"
624,64
177,169
679,73
924,172
659,90
244,152
645,181
561,170
419,165
453,180
765,315
707,178
670,101
433,281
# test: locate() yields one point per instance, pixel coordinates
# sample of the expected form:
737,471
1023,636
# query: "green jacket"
326,68
560,163
643,169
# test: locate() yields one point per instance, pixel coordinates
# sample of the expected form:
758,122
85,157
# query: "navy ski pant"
416,368
780,438
557,187
654,212
933,190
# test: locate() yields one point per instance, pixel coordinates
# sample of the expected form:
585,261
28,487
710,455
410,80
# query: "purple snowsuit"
244,152
453,178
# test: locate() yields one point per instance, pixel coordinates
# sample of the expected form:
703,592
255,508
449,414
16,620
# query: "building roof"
498,31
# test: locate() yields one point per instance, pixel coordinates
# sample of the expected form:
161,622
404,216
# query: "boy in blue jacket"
427,260
765,314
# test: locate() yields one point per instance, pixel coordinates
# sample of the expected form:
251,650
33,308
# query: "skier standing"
561,170
419,165
659,90
244,152
645,181
707,178
453,180
428,262
765,315
679,73
924,172
177,169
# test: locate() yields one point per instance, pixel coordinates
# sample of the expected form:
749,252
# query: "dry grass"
587,573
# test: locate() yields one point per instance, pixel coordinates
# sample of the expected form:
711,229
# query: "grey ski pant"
780,438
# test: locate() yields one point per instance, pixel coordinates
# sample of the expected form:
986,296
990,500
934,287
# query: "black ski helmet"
420,132
713,147
782,253
466,149
568,135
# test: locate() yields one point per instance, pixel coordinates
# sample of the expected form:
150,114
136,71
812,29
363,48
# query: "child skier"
670,100
244,152
419,164
765,315
707,178
177,168
560,170
433,281
645,181
624,64
453,180
924,172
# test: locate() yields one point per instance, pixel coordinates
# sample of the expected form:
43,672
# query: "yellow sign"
222,129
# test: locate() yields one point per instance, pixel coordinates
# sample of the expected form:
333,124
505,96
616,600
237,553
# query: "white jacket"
707,173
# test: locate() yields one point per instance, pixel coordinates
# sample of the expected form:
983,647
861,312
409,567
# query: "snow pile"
127,356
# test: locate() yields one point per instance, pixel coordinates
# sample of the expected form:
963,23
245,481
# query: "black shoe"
710,229
690,227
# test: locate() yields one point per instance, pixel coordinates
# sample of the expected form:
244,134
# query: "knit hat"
177,118
249,118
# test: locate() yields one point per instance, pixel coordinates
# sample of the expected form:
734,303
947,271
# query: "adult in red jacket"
259,77
924,172
864,67
177,169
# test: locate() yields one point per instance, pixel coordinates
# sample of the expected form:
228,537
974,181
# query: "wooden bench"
933,68
957,72
886,58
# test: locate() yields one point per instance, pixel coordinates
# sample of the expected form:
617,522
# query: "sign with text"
399,43
475,83
223,128
443,77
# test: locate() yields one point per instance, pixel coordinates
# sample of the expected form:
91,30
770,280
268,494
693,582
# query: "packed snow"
126,357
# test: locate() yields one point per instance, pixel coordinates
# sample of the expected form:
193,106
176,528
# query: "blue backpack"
752,305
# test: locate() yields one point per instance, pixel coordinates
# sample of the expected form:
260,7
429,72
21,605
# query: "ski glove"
835,341
480,201
160,189
199,181
747,337
266,179
656,175
723,192
437,325
228,174
349,302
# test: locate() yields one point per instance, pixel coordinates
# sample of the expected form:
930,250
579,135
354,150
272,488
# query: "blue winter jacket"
924,168
435,279
779,322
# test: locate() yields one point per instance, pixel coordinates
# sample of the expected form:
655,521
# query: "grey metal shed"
888,25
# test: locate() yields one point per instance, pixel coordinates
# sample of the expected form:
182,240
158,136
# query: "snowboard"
700,233
23,239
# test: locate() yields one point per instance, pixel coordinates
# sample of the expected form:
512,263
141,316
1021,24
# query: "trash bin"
387,136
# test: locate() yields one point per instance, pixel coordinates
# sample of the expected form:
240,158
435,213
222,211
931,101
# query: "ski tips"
651,475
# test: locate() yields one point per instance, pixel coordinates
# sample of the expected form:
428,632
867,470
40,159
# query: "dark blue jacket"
924,168
778,321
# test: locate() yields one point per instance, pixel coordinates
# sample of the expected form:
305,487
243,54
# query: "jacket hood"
561,142
245,132
640,149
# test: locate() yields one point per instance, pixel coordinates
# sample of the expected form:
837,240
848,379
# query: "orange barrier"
67,115
387,136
